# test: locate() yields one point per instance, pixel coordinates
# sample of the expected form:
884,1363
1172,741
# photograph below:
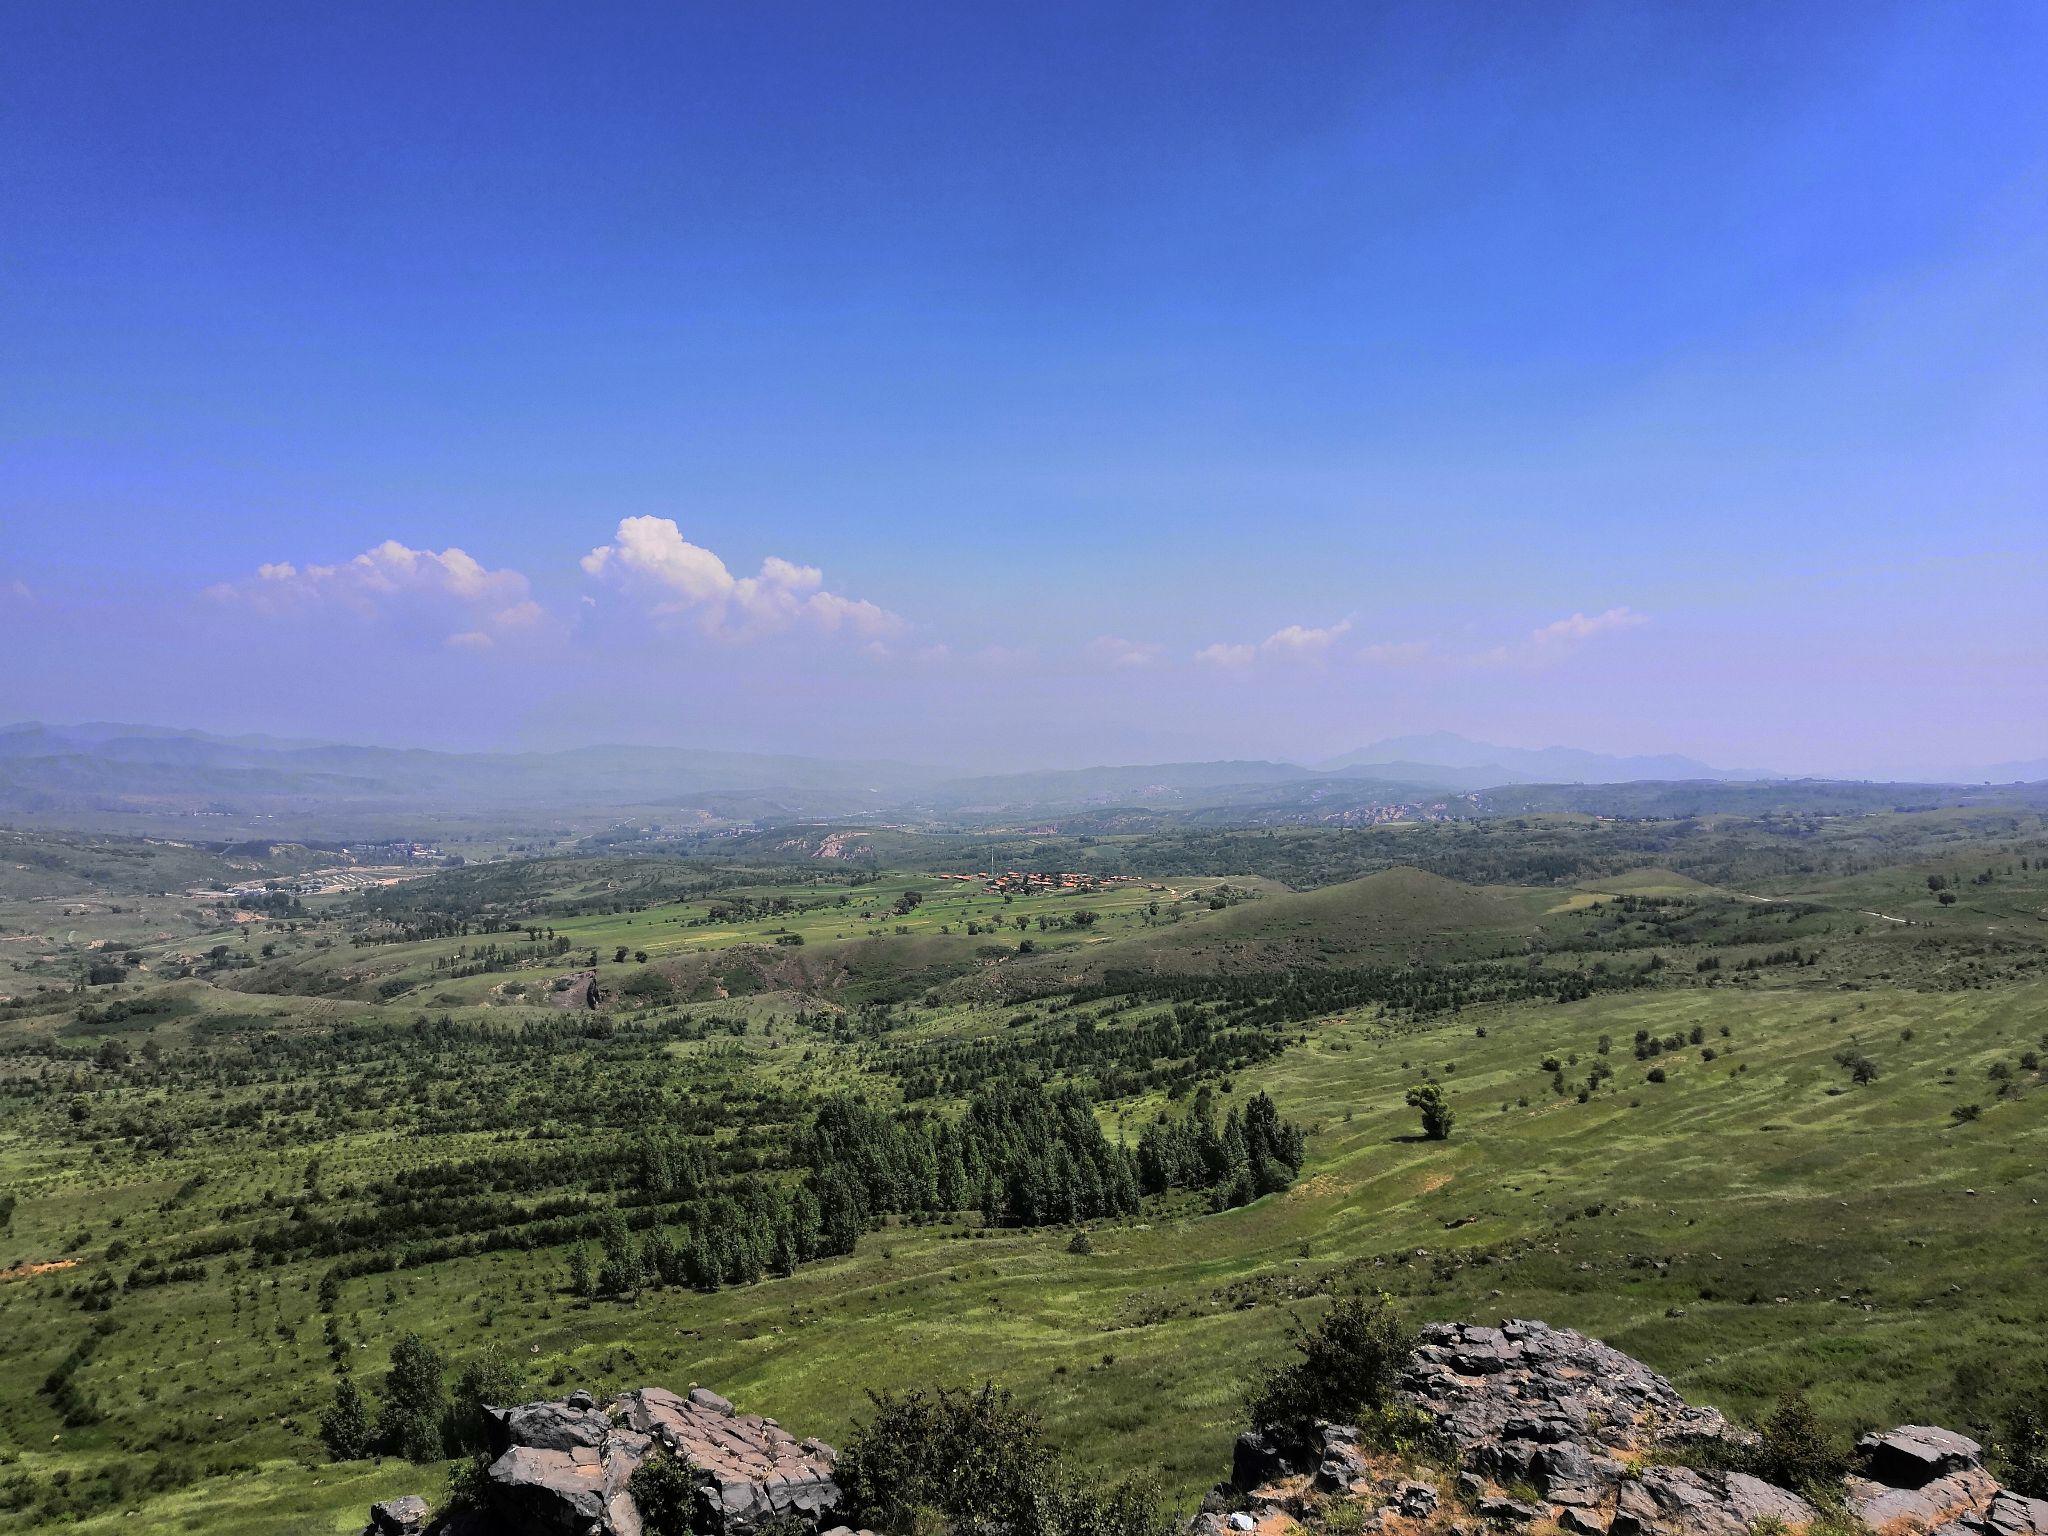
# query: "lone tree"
415,1402
346,1424
491,1379
1436,1112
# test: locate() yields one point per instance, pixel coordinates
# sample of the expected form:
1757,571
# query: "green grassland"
1755,1217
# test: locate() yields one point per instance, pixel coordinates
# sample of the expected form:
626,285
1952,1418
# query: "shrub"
1795,1451
1347,1368
975,1464
2021,1449
665,1490
1068,1505
973,1458
469,1485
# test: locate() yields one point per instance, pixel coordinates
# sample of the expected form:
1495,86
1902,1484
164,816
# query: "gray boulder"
1914,1455
1257,1458
2011,1514
565,1493
398,1517
1961,1495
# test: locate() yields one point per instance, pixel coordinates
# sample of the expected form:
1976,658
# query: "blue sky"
1105,383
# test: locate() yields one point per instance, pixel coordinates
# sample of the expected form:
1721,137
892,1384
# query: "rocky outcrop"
1542,1428
1506,1394
1918,1478
561,1469
1550,1427
750,1469
564,1469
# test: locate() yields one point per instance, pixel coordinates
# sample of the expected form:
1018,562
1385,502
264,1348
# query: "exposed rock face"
2008,1514
1597,1436
562,1469
579,991
755,1468
1511,1391
1920,1478
399,1517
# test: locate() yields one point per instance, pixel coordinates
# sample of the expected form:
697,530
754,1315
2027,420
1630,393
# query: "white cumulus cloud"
1222,655
1579,626
1296,642
1119,654
1395,653
650,553
1552,642
449,588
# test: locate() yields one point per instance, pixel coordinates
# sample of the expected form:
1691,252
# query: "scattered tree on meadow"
415,1402
345,1427
1436,1111
581,1279
490,1379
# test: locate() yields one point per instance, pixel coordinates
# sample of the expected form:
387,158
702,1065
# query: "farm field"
1784,1136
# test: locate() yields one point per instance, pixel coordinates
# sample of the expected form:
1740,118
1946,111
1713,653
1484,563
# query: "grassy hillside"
1393,916
1734,1150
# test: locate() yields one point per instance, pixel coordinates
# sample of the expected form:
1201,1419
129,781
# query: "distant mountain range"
87,774
156,779
2026,771
1443,757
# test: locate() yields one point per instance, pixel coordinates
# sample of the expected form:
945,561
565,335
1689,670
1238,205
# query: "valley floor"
1738,1209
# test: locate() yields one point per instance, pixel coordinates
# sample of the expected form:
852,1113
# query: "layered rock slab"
563,1468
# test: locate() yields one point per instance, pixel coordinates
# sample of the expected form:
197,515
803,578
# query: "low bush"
973,1463
1794,1450
665,1491
1346,1371
2021,1448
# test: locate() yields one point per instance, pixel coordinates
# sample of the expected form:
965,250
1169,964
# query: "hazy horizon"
995,766
1048,389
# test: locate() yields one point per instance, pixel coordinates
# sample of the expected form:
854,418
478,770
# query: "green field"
230,1125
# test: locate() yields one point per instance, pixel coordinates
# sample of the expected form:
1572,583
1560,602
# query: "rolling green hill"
1394,916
